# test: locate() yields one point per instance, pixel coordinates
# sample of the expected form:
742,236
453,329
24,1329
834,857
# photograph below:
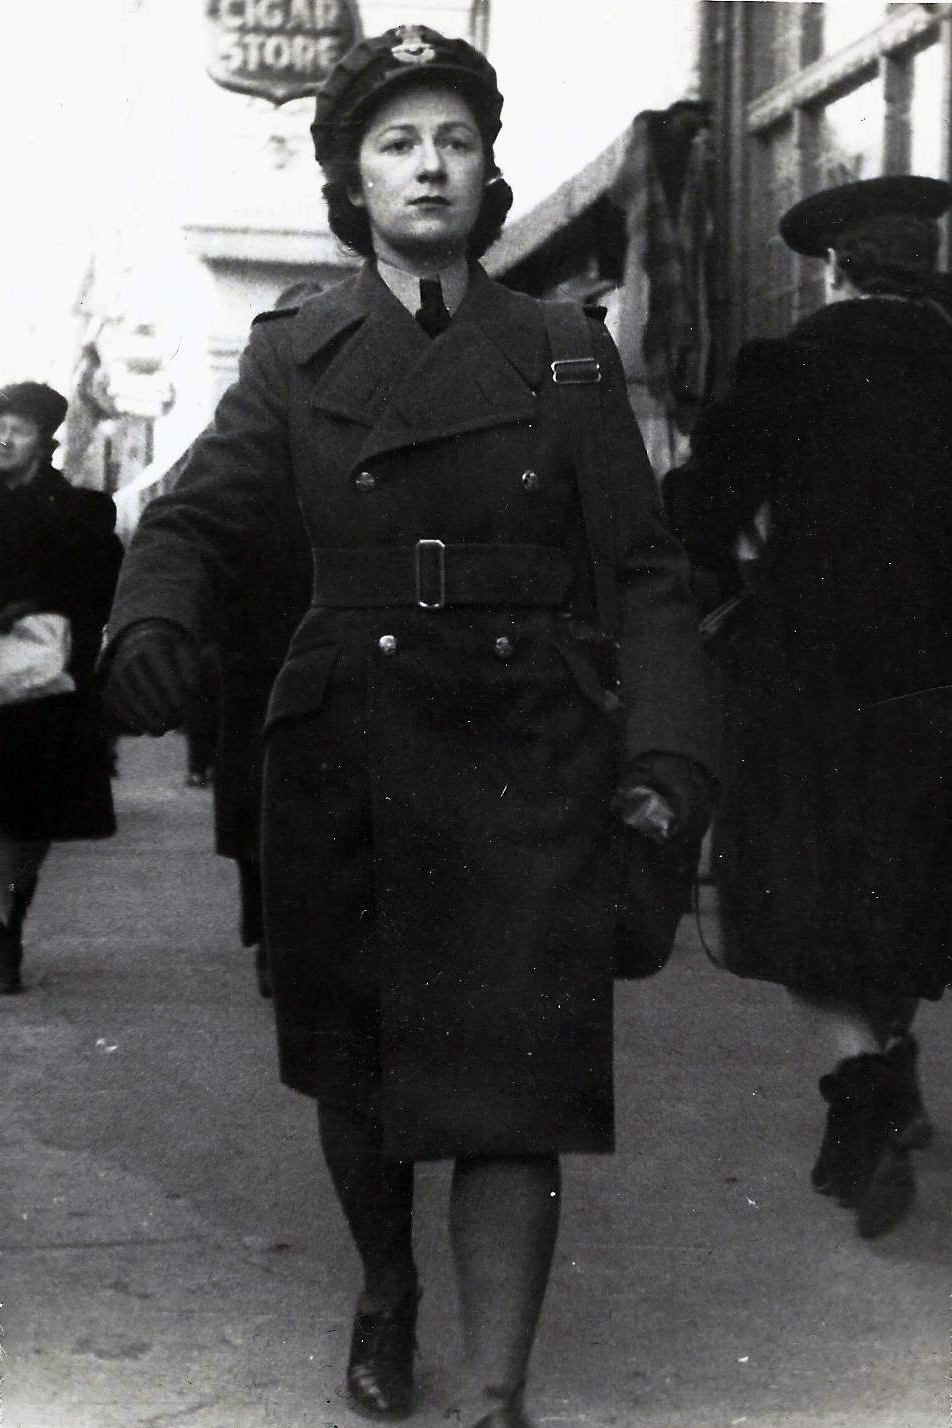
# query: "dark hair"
351,225
899,246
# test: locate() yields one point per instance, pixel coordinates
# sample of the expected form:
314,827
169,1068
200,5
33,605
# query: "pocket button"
387,644
503,648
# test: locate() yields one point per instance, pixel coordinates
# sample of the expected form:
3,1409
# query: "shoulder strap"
575,371
274,314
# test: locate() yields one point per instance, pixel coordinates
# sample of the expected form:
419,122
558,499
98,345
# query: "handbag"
653,881
34,654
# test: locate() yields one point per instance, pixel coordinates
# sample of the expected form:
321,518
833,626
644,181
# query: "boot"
11,939
380,1368
890,1190
862,1160
917,1132
840,1167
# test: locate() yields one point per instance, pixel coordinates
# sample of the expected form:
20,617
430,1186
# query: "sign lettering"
279,49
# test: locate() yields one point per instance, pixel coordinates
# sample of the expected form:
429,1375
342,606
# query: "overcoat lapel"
407,388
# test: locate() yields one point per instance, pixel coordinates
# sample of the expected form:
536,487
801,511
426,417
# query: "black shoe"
263,970
380,1368
863,1160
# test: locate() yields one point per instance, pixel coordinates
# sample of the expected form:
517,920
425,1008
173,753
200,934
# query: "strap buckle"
576,371
435,568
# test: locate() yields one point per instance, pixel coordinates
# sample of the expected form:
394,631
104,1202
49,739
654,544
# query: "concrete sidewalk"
174,1255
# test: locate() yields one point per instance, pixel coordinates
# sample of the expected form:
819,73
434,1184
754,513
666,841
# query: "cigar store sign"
279,49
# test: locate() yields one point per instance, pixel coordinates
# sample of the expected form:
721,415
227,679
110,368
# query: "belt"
432,575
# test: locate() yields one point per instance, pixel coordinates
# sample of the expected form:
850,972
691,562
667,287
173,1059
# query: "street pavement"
174,1258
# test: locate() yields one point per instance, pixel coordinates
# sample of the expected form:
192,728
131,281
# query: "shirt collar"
406,286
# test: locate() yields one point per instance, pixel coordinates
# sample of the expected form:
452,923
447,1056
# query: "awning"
558,219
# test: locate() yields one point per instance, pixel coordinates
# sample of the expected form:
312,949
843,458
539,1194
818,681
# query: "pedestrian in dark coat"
832,841
441,756
58,554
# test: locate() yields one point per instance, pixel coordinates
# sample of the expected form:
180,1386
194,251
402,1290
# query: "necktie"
433,315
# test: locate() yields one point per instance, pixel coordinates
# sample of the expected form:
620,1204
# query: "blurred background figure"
58,555
830,459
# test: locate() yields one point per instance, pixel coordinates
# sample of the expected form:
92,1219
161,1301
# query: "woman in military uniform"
441,752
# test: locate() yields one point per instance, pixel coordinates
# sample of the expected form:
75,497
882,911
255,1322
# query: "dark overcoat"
254,616
832,841
438,885
58,550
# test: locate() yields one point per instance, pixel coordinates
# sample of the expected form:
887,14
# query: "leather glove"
152,672
666,797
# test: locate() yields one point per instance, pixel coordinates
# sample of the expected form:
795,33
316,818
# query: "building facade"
805,96
651,150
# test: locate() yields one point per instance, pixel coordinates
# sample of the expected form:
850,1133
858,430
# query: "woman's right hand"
152,671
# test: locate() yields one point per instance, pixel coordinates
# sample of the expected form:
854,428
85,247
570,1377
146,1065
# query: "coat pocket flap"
301,684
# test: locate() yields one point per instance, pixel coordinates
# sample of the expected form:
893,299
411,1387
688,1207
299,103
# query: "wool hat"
400,56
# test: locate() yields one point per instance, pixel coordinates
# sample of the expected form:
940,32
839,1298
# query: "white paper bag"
33,658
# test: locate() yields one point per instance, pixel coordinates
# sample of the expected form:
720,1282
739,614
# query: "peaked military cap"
34,400
813,225
386,61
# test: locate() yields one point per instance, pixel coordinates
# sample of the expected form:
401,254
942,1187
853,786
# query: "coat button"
531,481
503,647
387,644
365,481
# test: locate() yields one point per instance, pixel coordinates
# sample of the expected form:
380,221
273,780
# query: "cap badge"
412,48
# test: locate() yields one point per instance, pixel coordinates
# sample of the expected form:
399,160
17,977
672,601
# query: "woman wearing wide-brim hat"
832,844
441,755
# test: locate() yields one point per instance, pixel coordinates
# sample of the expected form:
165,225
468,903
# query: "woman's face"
19,447
421,178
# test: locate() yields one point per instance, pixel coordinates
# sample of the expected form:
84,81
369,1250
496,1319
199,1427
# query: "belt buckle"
439,548
576,371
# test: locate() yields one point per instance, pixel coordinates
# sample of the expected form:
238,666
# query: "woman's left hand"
646,811
666,797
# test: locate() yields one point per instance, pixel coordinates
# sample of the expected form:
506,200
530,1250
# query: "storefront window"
850,138
771,262
774,38
845,20
928,138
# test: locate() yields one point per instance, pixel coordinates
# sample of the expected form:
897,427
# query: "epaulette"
273,314
595,310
